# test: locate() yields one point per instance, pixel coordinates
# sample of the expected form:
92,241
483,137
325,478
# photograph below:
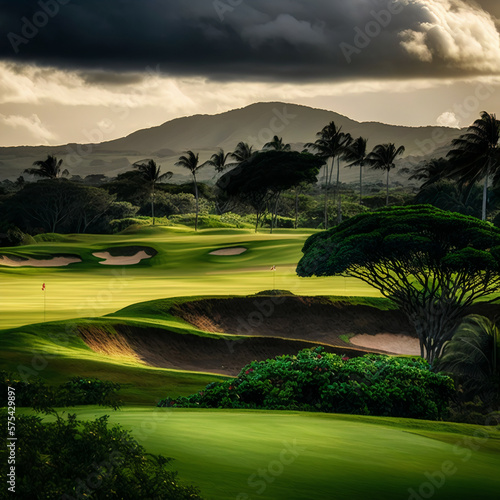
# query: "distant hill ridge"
260,121
256,124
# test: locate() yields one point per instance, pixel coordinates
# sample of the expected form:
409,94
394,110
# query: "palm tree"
356,153
331,143
382,158
472,352
150,172
430,172
49,168
277,144
218,161
476,154
242,152
192,163
448,195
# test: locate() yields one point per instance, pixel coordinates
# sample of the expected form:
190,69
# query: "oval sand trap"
389,342
121,260
229,251
52,262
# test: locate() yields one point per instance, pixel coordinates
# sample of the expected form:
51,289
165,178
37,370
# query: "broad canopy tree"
59,205
433,264
265,175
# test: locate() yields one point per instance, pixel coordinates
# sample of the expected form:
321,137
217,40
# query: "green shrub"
69,459
317,381
205,221
76,391
119,225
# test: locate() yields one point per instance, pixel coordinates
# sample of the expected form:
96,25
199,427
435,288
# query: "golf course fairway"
183,266
268,455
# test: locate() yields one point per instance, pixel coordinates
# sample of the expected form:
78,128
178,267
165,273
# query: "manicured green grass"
53,352
229,454
182,267
290,455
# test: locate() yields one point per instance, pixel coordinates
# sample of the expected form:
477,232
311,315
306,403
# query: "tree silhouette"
261,179
191,161
150,172
219,161
382,158
242,152
475,154
431,171
277,144
48,169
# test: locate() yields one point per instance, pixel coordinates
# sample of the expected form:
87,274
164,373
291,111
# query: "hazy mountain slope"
255,124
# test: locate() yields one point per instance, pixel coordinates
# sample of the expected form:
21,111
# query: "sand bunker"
312,319
121,260
52,262
166,349
393,343
229,251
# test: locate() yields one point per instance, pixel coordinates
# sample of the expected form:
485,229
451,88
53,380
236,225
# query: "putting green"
182,267
290,455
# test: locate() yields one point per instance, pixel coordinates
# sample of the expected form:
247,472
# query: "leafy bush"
49,237
76,391
69,459
317,381
205,221
167,204
119,225
12,236
236,220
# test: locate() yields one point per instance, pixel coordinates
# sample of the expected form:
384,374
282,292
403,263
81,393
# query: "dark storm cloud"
245,40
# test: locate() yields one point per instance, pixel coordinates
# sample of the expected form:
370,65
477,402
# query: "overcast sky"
93,70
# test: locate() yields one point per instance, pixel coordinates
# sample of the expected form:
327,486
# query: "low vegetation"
314,380
71,459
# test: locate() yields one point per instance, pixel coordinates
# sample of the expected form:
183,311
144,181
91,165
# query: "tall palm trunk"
326,196
329,175
153,204
196,198
361,184
387,190
274,216
297,189
485,197
337,193
485,189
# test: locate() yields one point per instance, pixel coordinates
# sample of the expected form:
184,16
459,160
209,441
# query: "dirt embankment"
305,318
161,348
272,326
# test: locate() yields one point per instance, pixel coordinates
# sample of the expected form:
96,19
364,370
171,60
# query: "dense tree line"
285,191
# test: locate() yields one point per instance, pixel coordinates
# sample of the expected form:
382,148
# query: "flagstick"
44,304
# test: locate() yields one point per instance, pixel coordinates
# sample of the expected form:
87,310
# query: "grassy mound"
269,455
